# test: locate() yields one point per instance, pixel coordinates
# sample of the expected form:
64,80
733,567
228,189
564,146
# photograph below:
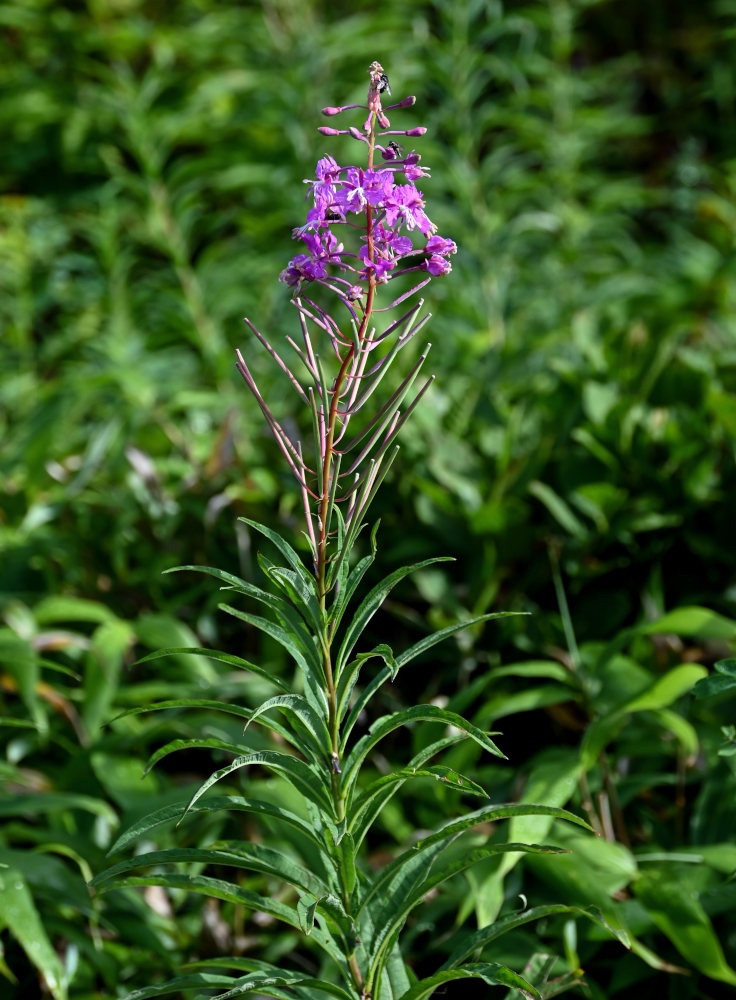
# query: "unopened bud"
331,111
406,103
420,130
326,130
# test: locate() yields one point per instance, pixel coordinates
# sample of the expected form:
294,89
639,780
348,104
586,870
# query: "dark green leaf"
425,713
489,972
214,654
371,603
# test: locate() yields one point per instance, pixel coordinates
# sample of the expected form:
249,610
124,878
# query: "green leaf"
552,780
304,778
208,704
480,938
306,908
489,972
163,632
252,857
663,692
215,804
676,910
230,893
559,510
32,804
297,707
411,884
388,723
298,644
450,830
19,914
348,582
20,660
193,981
212,743
371,603
303,597
66,608
347,863
204,884
394,664
214,654
723,680
667,689
694,621
368,804
286,551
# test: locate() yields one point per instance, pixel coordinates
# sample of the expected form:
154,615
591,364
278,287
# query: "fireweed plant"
366,226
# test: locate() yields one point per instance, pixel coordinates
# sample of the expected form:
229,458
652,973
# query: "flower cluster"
390,208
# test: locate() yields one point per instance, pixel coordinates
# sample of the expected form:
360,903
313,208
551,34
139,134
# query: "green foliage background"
576,455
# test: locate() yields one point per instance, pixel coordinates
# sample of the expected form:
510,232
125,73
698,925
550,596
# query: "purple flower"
389,241
338,193
438,244
437,266
324,248
412,170
301,268
407,205
379,266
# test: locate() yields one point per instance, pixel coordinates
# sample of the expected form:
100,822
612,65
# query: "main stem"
338,798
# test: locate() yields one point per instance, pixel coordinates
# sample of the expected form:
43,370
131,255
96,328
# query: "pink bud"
420,130
331,111
326,130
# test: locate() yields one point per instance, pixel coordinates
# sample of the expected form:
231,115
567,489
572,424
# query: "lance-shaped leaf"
367,805
283,985
205,885
251,857
372,602
233,583
349,678
394,664
411,884
489,972
230,893
296,617
217,803
312,784
306,908
215,654
471,943
292,984
199,743
298,593
388,723
286,551
206,703
309,726
448,831
301,647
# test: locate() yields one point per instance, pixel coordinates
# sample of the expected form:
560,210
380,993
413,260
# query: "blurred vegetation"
576,456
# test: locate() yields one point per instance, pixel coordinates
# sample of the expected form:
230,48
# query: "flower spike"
385,232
